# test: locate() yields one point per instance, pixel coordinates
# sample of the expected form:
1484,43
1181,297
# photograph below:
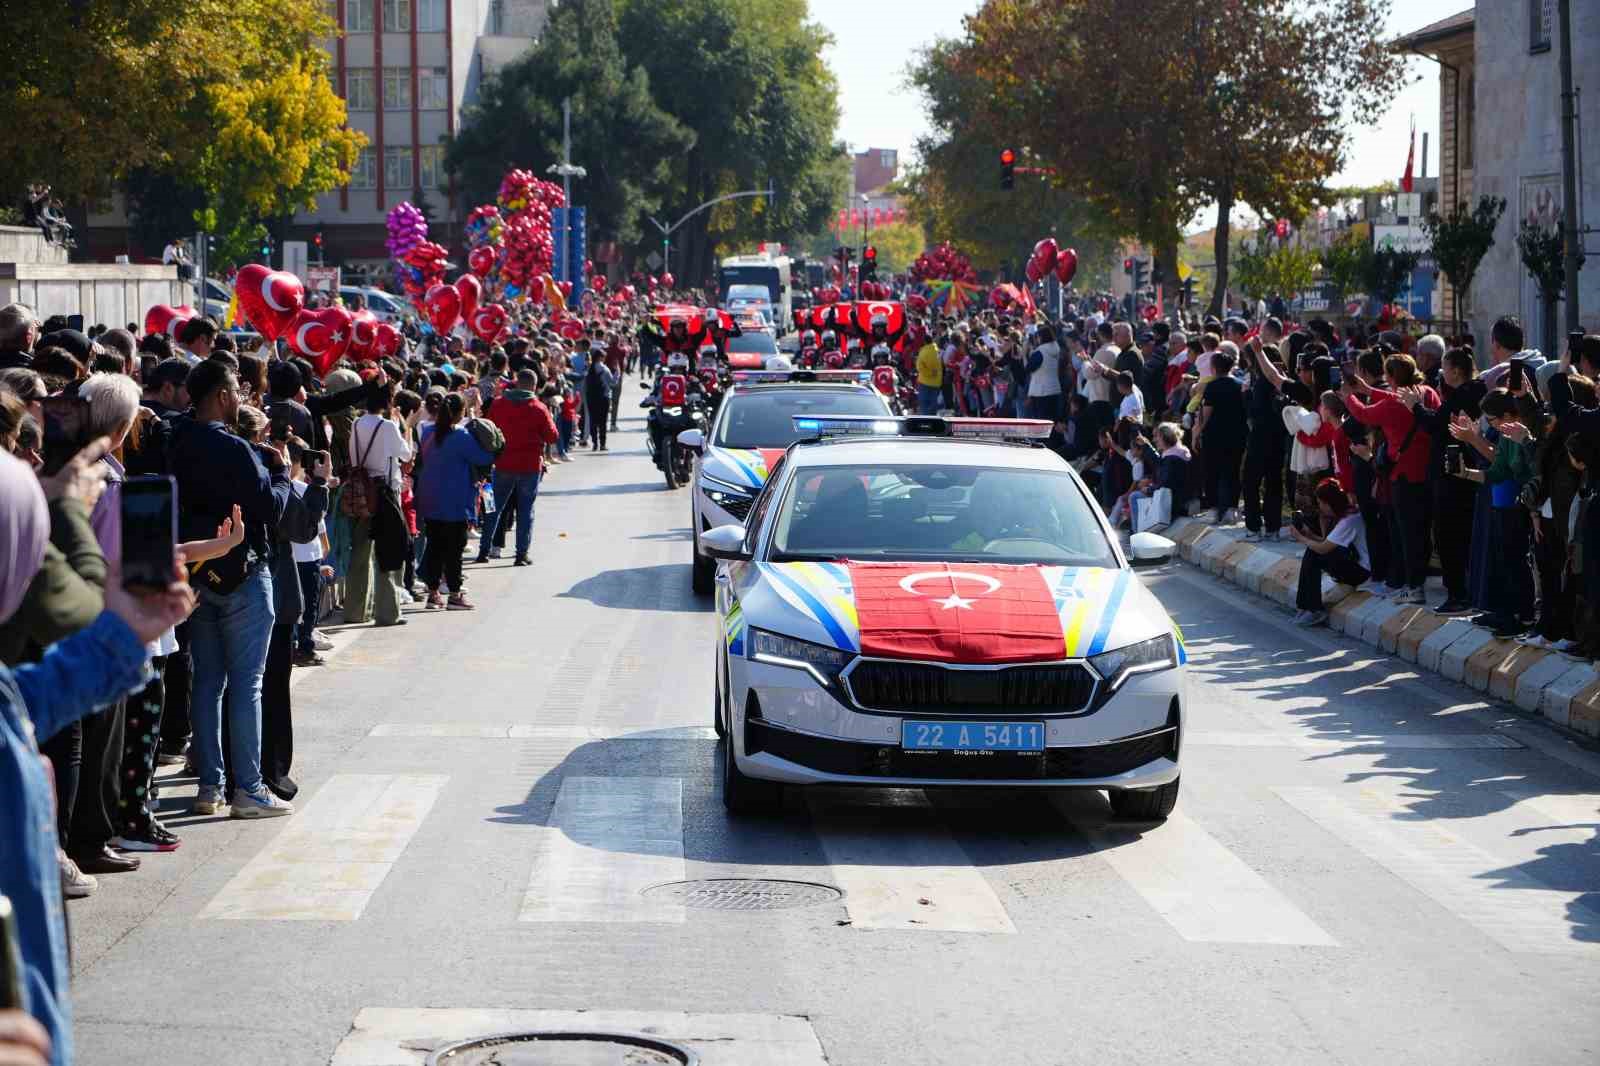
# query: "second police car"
753,426
924,602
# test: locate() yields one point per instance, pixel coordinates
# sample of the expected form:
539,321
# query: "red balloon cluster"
429,260
526,203
943,263
1049,256
322,336
916,302
828,294
875,290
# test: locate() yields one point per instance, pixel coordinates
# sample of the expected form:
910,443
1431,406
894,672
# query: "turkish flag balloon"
1033,271
388,340
489,322
363,334
1066,265
481,260
668,280
322,336
470,290
571,329
159,319
269,298
1044,253
613,312
598,283
444,308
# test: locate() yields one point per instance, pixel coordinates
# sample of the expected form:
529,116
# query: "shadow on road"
608,490
642,588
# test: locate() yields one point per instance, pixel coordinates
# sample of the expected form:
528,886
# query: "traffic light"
869,263
317,240
1141,274
1127,267
1188,290
1008,169
1158,277
266,248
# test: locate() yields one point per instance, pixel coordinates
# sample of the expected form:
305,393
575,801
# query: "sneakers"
1307,619
208,801
404,596
497,553
320,642
75,884
1254,536
458,602
1564,645
1376,587
309,658
435,600
170,758
261,804
1410,596
154,838
522,560
1536,640
1453,606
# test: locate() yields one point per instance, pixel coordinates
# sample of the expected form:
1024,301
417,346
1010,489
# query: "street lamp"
567,172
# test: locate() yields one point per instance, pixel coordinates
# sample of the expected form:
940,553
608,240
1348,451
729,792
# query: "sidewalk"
1561,688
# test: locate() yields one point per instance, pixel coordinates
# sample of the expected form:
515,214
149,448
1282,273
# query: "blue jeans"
928,397
230,635
311,592
526,486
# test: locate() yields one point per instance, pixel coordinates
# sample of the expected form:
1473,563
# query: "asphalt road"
1366,866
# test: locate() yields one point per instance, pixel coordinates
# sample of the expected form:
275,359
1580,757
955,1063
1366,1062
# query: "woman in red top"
1409,447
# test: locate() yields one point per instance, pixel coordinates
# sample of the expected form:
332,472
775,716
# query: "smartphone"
149,531
1514,375
311,457
1454,459
280,430
10,958
75,322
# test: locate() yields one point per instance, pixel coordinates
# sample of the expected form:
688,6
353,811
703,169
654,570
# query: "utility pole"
567,172
1570,237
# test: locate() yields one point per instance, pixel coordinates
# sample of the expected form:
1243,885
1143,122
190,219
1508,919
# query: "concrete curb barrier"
1558,687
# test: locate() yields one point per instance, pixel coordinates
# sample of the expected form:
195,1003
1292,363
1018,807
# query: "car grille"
930,688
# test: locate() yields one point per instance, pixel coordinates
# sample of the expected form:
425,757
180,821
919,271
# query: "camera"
1303,522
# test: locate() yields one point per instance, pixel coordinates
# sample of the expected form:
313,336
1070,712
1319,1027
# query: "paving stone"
1555,703
1435,643
1453,659
1372,621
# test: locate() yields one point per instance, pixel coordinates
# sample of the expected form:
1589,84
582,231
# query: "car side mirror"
1150,549
725,542
692,439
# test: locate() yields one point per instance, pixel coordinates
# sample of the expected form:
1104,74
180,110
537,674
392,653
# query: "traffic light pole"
668,231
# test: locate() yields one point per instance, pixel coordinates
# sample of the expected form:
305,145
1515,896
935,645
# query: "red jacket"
527,426
1396,420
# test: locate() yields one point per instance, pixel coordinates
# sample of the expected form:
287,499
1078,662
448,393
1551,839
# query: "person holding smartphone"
1336,544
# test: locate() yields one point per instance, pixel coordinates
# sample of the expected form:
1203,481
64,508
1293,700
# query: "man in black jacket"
1454,498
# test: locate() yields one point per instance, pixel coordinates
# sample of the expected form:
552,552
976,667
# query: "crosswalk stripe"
390,1036
908,878
1382,741
1505,904
1203,890
608,839
333,853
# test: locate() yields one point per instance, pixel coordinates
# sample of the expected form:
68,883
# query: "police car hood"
746,467
956,612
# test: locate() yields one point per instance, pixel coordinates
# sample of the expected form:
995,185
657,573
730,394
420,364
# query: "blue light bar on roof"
1016,429
756,377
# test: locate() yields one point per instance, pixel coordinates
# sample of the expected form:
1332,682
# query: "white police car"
753,426
923,602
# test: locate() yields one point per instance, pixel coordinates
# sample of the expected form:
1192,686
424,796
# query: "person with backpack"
377,450
449,457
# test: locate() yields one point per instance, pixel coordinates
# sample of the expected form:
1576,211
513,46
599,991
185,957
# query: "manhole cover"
741,894
563,1049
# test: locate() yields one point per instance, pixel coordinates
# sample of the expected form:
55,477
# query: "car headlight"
822,662
723,494
1145,657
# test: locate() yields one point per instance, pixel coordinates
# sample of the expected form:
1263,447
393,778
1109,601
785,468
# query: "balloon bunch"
1048,256
526,203
422,268
875,290
943,263
407,229
484,226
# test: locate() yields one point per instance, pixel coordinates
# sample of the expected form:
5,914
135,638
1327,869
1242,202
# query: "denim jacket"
85,671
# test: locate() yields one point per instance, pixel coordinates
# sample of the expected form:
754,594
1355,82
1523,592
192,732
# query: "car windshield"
742,294
760,343
940,513
766,419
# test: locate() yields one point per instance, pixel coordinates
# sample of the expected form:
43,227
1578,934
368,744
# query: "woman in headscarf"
89,669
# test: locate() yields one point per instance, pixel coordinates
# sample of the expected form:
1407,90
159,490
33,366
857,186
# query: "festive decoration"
490,323
168,320
322,336
363,335
443,305
1066,265
269,298
481,260
389,340
470,289
952,295
943,263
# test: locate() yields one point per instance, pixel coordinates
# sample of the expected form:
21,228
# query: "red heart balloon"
481,260
470,289
159,319
363,334
668,280
269,298
613,312
1044,253
598,283
566,289
571,329
1066,265
322,336
444,308
536,290
388,340
489,322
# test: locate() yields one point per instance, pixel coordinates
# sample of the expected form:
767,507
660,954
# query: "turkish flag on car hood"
956,612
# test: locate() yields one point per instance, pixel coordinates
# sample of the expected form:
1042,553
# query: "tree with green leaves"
1343,268
1386,272
1544,256
1459,241
620,133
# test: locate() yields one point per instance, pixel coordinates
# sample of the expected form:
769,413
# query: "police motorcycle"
677,399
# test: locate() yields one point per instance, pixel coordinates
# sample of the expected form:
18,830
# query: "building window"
886,159
433,89
497,17
1466,131
358,16
359,89
430,157
430,16
396,87
397,167
1541,22
397,16
364,175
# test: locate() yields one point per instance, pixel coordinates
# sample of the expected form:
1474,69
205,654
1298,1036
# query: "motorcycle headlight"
674,411
1145,657
822,662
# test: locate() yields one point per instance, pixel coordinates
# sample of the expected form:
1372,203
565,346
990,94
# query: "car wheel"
1145,804
704,573
742,794
716,706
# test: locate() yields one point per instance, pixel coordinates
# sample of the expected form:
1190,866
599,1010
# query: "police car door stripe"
608,839
812,606
1203,890
1073,627
1108,614
738,459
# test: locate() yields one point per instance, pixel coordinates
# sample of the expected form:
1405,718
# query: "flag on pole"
1411,158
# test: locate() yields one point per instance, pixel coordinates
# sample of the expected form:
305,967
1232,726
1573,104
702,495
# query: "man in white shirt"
1132,404
379,448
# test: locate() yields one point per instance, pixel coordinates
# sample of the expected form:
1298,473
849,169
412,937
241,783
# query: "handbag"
359,500
1153,511
223,574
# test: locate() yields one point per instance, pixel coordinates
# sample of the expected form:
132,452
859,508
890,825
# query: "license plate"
972,736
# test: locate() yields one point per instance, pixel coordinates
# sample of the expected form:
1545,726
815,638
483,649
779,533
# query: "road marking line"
1203,890
908,878
1385,741
502,731
1505,904
388,1036
608,839
333,853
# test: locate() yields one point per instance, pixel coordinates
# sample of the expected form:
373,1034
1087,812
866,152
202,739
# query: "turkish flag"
956,613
